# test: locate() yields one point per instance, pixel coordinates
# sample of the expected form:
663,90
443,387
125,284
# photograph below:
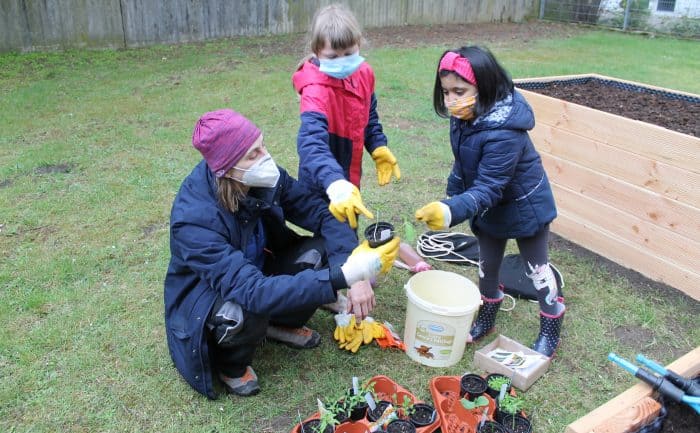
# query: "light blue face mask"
341,67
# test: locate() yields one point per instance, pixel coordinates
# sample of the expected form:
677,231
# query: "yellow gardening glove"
386,165
436,215
354,343
346,202
342,320
376,328
366,263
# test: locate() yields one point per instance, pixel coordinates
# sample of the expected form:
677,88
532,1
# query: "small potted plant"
517,423
509,405
325,423
482,406
472,384
379,233
494,382
491,427
400,426
422,414
379,408
355,405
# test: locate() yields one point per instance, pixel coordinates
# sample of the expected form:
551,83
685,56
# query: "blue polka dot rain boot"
548,340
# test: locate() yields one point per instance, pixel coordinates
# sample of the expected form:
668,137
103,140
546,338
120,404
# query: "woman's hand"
361,299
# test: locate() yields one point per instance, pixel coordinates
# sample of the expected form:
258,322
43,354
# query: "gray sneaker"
297,338
244,386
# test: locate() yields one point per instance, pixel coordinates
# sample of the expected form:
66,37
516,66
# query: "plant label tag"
370,401
355,385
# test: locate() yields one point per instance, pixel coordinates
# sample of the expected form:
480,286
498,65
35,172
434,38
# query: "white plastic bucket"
441,308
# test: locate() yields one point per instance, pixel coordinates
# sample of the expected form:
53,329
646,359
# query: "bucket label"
434,340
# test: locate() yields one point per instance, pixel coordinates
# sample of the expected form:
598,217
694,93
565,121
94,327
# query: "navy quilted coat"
497,180
216,252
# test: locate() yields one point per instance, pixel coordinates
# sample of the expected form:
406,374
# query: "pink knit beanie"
223,137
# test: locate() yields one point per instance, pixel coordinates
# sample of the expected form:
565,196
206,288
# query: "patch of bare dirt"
448,36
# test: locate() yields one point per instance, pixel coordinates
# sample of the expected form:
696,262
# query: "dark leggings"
232,357
533,250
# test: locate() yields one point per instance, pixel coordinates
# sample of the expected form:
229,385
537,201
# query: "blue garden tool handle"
658,383
690,386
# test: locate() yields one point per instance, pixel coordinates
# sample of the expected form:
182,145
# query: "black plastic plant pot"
312,426
359,411
492,427
516,424
495,392
422,415
472,384
400,426
379,233
379,409
501,415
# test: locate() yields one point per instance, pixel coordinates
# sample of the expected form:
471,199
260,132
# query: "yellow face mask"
462,108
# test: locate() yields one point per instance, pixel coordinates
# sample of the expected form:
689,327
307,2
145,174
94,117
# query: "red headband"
453,62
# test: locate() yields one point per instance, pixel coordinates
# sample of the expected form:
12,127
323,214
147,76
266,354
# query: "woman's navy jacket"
218,253
498,181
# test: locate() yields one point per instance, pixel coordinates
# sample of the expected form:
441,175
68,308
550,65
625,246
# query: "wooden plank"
662,178
688,366
608,245
645,139
669,214
631,418
649,238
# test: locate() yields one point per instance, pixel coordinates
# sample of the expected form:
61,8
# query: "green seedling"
480,401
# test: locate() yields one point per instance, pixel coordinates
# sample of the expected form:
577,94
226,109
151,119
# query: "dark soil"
680,419
658,109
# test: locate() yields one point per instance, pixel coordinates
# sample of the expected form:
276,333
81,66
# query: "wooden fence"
27,25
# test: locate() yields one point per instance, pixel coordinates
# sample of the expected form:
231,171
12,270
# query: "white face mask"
263,174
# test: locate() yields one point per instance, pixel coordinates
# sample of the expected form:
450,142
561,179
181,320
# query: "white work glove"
366,263
346,202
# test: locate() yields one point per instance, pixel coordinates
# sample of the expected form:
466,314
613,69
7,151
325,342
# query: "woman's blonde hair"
337,25
229,193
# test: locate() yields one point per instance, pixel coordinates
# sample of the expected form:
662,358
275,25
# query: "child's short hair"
493,83
337,25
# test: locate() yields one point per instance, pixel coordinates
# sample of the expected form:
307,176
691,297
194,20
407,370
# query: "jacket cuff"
337,278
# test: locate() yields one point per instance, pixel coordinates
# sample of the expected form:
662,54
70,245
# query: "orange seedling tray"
384,389
454,417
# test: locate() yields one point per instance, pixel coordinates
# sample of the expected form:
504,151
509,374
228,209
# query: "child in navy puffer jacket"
497,182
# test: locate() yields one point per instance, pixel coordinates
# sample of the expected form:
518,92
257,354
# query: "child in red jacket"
339,115
338,121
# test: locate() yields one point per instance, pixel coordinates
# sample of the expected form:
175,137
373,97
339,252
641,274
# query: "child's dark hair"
492,81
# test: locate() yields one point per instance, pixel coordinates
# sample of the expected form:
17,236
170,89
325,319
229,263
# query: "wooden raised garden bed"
625,189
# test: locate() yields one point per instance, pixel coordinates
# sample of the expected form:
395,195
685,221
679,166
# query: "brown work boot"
297,338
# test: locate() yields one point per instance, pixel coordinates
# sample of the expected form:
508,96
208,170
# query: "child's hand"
436,215
386,165
346,202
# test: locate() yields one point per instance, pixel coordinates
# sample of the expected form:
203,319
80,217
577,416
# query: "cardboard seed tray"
521,379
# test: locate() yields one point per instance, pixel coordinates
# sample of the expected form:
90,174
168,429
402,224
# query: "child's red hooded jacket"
338,120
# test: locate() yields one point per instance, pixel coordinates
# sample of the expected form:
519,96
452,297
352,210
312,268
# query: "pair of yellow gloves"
350,334
346,202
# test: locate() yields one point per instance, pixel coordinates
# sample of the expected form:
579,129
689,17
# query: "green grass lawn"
93,148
